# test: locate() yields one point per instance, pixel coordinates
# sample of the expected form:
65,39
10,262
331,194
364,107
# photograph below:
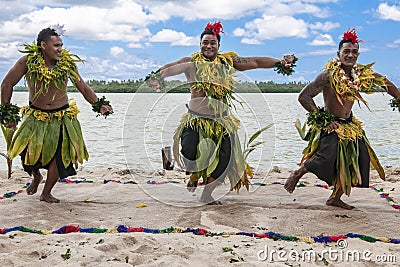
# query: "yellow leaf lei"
41,77
362,80
215,78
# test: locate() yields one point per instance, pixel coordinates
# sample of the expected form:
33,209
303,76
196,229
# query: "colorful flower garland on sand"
385,195
200,231
14,193
105,181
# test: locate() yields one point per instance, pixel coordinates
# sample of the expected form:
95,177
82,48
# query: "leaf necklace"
40,76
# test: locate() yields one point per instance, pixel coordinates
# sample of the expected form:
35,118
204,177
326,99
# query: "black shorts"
189,142
62,171
323,162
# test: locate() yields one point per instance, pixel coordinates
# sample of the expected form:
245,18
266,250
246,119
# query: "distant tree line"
175,86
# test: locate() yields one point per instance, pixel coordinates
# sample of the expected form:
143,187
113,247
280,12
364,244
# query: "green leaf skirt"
215,129
39,135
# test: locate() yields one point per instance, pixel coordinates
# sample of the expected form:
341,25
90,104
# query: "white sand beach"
165,225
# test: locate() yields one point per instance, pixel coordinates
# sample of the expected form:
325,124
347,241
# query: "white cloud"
175,38
195,9
325,52
323,39
239,32
11,9
394,44
135,45
389,12
119,68
326,26
250,41
125,21
93,26
321,1
273,27
10,50
69,3
116,50
291,8
191,10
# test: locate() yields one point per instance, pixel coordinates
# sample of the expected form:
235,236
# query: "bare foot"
37,178
292,181
334,202
191,187
215,202
49,198
210,200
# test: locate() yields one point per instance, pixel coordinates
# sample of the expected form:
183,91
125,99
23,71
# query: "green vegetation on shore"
175,86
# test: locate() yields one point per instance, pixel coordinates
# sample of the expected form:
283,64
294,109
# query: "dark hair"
346,41
209,31
44,35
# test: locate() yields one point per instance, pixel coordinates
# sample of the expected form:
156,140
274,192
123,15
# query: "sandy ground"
159,200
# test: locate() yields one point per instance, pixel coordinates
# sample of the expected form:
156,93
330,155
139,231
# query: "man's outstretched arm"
248,63
156,79
175,68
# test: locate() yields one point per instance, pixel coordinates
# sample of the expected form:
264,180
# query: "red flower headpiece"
215,27
352,36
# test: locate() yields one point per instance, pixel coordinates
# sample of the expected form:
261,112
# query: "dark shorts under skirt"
189,142
323,162
62,171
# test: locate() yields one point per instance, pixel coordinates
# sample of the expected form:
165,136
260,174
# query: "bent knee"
189,141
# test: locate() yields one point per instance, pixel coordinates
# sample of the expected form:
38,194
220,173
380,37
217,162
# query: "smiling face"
209,46
52,49
348,54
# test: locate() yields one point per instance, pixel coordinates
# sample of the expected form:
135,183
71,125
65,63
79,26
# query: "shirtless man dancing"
338,151
50,135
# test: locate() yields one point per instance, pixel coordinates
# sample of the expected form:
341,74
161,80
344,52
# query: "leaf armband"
280,66
395,103
319,118
156,75
96,106
9,112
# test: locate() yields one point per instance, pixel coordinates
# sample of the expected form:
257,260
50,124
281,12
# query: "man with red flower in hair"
338,151
208,131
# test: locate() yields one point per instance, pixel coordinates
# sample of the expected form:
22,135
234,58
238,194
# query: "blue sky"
126,39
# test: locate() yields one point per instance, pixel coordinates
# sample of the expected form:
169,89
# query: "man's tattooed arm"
249,63
306,96
240,60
